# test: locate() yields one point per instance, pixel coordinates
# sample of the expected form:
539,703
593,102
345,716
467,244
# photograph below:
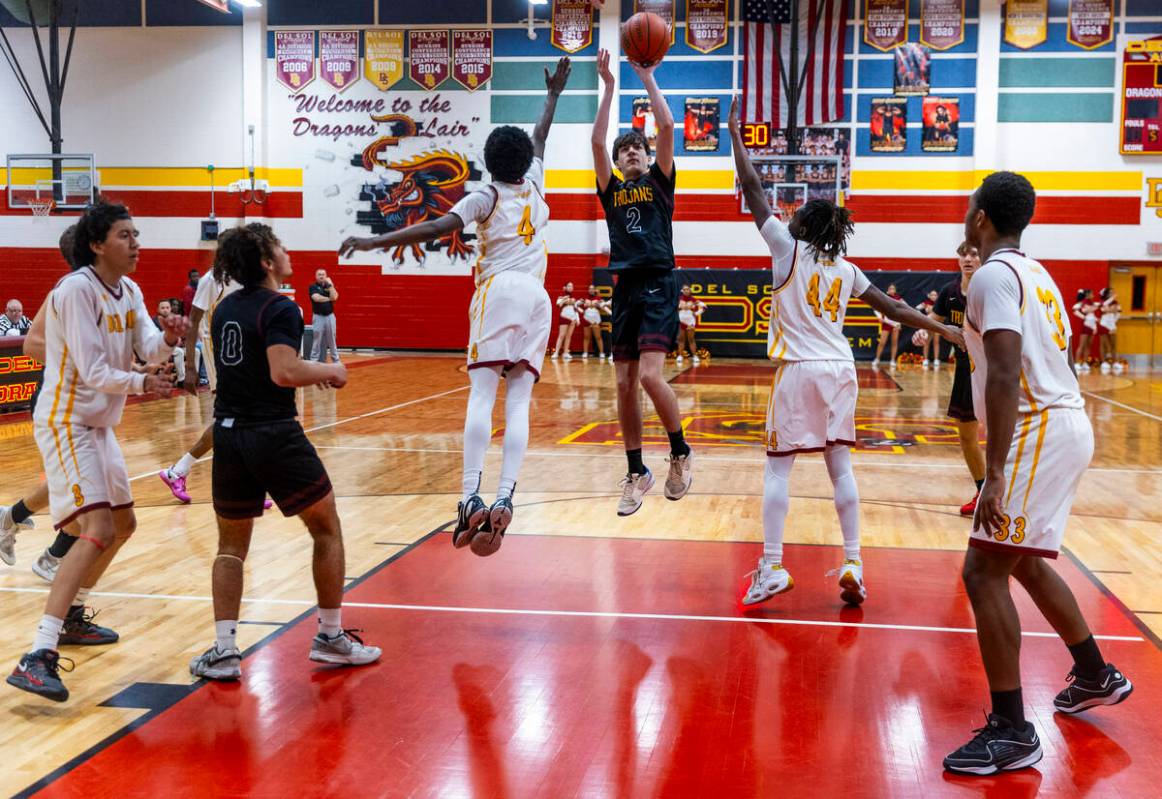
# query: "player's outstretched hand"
339,378
175,328
644,72
555,82
953,334
159,379
352,244
603,68
990,510
732,120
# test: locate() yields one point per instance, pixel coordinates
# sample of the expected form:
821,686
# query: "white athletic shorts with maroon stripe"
84,469
509,320
812,405
1050,452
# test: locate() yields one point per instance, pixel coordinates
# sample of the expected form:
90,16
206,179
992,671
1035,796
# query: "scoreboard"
1142,97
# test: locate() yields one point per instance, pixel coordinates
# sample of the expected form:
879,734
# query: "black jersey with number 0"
245,323
639,214
950,304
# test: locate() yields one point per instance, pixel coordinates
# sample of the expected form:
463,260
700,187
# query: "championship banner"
339,58
472,58
889,124
885,23
294,58
383,58
941,23
663,8
706,24
428,58
1026,22
941,125
1091,23
572,24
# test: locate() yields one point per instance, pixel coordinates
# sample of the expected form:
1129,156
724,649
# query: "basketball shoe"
470,515
766,581
634,488
176,484
1109,688
8,530
851,588
39,673
500,515
214,664
997,746
79,630
680,476
45,567
345,649
969,508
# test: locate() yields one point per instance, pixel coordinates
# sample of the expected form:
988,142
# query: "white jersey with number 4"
510,224
1013,292
809,298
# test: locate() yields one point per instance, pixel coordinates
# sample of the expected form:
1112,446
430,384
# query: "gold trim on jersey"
1025,426
67,420
52,413
1028,393
1036,457
483,302
791,274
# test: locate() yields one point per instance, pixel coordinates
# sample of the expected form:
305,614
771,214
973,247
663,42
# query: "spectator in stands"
189,291
164,309
14,322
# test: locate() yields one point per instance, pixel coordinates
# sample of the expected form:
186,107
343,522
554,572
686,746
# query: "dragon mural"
429,184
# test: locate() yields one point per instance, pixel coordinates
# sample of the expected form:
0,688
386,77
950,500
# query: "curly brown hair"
242,250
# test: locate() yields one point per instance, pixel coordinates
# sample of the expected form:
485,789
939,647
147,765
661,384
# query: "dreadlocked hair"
825,227
242,250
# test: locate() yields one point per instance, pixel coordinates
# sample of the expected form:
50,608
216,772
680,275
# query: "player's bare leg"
223,661
693,346
665,402
175,476
998,627
969,435
638,479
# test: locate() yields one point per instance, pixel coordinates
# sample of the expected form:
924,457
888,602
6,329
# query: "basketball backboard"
70,180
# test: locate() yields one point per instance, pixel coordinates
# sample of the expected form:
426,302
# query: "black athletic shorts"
960,403
273,458
645,313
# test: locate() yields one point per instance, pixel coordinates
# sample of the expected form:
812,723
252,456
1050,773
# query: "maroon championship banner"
572,24
1091,23
885,23
472,58
428,58
294,58
706,24
339,58
941,23
663,8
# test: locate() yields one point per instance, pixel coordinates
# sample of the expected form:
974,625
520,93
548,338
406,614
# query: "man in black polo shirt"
639,208
260,447
323,297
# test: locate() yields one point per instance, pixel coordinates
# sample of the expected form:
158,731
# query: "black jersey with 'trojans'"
639,214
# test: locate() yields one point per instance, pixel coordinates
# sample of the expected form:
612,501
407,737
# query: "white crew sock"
776,503
478,426
183,466
48,633
226,631
519,390
838,458
330,621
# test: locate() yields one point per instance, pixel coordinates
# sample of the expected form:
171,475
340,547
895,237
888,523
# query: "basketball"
485,543
645,38
920,338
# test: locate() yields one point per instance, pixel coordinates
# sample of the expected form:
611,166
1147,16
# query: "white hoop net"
41,207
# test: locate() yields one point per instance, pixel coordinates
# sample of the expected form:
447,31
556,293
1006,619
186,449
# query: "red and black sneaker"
969,508
39,673
79,630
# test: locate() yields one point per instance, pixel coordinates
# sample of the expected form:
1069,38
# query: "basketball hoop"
41,207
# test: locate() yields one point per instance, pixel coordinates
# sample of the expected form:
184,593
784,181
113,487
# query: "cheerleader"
690,310
1111,311
568,322
591,323
1085,309
888,328
925,308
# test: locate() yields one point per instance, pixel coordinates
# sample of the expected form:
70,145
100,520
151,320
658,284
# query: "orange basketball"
645,38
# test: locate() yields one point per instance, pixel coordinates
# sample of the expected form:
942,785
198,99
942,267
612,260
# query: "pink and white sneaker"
177,485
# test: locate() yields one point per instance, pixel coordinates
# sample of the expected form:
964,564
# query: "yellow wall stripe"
170,177
968,180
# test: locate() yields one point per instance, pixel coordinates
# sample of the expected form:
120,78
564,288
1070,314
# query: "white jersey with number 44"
809,297
511,219
1011,291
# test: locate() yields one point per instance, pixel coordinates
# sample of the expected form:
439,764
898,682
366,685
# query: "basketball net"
41,207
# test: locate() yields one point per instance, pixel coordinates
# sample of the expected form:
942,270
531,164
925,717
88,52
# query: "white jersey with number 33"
1013,292
809,298
510,224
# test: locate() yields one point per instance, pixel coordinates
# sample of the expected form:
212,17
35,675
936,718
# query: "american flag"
822,27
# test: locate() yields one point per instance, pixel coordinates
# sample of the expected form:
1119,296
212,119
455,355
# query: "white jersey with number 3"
511,219
809,298
1013,292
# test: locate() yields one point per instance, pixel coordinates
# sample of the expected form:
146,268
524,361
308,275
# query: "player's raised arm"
415,234
748,178
601,163
901,312
555,83
663,119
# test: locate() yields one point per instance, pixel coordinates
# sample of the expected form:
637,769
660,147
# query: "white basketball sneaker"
768,580
45,567
8,530
345,649
214,664
851,588
680,476
633,490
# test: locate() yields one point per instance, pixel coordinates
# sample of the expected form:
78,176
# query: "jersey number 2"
525,229
830,302
633,218
1053,314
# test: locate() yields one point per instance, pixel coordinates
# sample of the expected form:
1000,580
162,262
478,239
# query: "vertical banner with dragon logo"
572,24
339,58
885,23
1091,23
428,58
706,24
383,58
294,58
1026,23
472,58
663,8
941,23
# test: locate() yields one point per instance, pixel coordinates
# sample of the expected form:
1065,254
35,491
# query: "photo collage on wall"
701,124
824,155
